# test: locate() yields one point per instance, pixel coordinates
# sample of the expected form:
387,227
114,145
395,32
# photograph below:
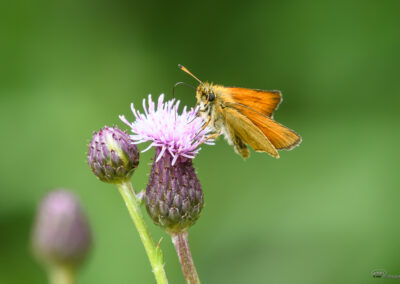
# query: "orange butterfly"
244,117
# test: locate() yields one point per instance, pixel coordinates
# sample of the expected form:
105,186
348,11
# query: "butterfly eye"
211,97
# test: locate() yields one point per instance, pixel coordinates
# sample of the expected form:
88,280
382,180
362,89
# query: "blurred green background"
326,212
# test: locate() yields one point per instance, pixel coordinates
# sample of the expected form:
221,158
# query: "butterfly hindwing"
280,136
240,127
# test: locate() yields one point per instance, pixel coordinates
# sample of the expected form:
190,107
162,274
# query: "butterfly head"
205,94
205,91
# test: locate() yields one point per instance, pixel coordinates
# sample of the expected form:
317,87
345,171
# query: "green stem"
154,253
181,243
59,274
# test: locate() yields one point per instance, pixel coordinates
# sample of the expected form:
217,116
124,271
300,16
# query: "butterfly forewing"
265,102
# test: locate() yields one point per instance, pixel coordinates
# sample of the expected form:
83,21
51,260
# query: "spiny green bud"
112,155
173,197
61,234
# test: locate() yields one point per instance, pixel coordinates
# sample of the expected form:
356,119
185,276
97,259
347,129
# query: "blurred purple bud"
61,233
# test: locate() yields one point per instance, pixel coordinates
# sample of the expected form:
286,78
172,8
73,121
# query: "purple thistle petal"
174,160
162,125
124,120
161,153
148,148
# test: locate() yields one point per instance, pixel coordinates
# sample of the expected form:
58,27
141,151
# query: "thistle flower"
61,234
112,156
174,197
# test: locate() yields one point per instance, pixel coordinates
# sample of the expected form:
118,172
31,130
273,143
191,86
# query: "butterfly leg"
204,126
214,135
211,136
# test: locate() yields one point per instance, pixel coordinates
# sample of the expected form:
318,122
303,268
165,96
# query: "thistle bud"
174,197
61,234
112,156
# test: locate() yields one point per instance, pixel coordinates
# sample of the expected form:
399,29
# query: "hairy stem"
153,252
181,243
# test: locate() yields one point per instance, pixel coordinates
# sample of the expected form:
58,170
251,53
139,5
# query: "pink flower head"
179,134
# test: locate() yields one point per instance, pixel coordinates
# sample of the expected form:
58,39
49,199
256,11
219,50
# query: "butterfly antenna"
183,68
181,83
